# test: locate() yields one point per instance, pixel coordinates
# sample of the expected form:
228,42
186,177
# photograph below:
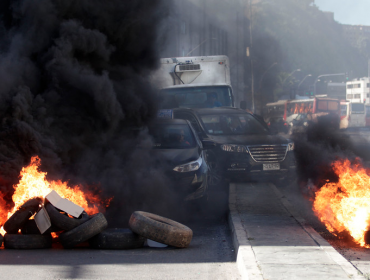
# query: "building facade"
358,90
336,90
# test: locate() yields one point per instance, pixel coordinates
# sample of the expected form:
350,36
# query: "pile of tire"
143,226
23,233
72,231
20,220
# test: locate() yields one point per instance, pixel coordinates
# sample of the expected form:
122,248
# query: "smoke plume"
73,89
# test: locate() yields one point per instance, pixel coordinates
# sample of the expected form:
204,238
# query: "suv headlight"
233,148
191,166
290,147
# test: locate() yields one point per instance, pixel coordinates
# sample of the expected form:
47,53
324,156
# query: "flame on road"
345,206
33,184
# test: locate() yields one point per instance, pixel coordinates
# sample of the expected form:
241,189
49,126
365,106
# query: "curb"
347,266
245,258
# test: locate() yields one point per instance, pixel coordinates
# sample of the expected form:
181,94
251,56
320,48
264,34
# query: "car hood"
177,156
249,139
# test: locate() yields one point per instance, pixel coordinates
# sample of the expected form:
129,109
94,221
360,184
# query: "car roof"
209,111
196,85
169,121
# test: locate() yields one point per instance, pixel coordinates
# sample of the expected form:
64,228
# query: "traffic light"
347,78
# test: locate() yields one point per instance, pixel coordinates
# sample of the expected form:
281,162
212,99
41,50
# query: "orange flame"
33,184
345,205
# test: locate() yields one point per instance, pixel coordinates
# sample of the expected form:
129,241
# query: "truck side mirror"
243,104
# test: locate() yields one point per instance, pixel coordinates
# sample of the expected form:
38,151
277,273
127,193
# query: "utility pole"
250,52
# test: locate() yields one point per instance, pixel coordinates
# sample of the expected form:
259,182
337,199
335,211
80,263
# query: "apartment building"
358,90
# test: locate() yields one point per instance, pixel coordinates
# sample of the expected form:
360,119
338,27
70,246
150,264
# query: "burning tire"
29,241
63,221
30,227
160,229
117,238
84,232
22,215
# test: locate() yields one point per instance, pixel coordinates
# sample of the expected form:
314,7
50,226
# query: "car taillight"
285,123
268,124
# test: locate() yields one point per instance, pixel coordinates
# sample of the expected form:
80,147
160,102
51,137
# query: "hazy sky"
347,11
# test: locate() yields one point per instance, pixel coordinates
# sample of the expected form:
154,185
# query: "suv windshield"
197,97
237,124
172,136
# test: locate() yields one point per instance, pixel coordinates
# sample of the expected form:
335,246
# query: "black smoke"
318,149
74,90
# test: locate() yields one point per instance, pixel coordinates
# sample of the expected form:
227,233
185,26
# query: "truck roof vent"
190,67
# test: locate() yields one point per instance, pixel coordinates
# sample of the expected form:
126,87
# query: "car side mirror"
208,144
243,105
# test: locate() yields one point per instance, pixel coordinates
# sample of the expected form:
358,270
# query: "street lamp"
309,75
325,75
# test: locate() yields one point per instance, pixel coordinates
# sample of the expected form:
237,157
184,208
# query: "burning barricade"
45,210
344,206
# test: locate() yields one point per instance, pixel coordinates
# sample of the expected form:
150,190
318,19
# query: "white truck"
194,82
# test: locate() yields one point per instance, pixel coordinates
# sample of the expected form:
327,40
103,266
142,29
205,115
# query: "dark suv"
239,145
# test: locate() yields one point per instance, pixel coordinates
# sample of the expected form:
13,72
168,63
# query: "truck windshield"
197,97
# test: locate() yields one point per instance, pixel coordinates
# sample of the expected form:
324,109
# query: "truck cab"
194,82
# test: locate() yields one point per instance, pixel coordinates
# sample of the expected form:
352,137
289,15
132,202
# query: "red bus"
313,108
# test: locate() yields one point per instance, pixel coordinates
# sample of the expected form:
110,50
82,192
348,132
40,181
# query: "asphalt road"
358,256
209,256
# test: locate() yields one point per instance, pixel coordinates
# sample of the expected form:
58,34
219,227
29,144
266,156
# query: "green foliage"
284,85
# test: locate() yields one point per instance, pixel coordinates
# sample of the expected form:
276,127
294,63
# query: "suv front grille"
268,153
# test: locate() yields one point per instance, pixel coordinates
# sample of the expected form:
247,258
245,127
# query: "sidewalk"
273,242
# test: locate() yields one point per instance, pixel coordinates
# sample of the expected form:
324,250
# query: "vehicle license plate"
271,166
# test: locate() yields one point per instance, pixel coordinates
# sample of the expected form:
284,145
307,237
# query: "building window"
368,85
349,86
368,95
357,96
349,96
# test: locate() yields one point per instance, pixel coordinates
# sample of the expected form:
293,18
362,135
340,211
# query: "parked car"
179,148
238,146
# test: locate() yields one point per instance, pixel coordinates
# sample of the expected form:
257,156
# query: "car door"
192,119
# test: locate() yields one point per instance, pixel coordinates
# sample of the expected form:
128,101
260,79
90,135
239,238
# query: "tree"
285,84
